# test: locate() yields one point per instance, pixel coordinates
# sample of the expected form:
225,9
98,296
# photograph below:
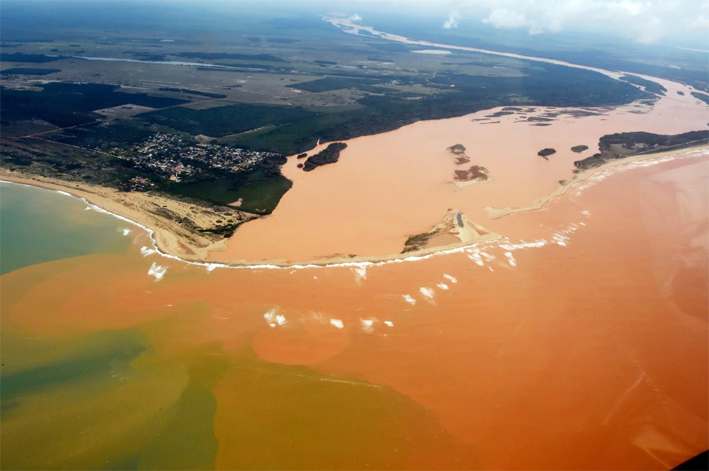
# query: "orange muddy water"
580,341
389,186
577,340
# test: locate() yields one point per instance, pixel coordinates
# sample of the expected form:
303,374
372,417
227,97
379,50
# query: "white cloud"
644,21
452,21
505,18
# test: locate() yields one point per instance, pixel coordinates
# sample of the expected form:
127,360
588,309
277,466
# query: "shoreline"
168,237
496,213
174,242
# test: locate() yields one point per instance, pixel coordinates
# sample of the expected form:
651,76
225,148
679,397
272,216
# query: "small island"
627,144
329,155
456,149
579,149
474,173
546,152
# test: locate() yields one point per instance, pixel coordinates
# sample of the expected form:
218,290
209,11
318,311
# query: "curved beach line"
373,261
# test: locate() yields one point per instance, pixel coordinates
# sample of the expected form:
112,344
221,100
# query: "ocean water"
40,225
580,340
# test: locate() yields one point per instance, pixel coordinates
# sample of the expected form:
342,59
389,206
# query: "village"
177,157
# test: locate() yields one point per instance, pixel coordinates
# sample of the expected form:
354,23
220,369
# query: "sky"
644,21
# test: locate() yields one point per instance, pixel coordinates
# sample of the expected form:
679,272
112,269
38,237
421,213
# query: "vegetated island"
579,149
456,149
458,152
329,155
474,173
544,153
701,96
627,144
648,85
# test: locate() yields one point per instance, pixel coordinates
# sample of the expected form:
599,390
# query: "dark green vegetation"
261,188
328,84
650,86
475,172
29,71
579,149
701,96
329,155
223,55
546,152
192,92
225,120
617,146
457,94
418,241
71,104
29,58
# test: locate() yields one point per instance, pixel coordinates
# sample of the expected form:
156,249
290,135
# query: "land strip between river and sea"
159,215
194,231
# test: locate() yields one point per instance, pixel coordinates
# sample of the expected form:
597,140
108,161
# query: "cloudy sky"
645,21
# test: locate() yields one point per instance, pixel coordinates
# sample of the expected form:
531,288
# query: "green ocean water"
38,225
93,378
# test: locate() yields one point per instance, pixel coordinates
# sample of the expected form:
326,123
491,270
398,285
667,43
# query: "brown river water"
578,340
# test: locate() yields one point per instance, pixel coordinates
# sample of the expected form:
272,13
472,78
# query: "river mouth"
389,187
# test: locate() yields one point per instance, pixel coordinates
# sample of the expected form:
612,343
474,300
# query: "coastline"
137,208
496,213
176,242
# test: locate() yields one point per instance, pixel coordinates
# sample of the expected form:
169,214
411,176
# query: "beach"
140,208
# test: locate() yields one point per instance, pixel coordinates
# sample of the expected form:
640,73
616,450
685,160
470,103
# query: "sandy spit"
176,242
496,213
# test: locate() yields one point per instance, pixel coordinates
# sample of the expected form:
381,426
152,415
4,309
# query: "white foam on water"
212,266
367,325
273,319
475,257
487,256
337,323
126,232
560,239
511,259
523,245
145,251
389,323
360,273
158,271
443,286
452,279
427,292
409,299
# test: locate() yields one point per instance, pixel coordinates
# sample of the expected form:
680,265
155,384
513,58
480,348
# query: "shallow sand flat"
388,186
